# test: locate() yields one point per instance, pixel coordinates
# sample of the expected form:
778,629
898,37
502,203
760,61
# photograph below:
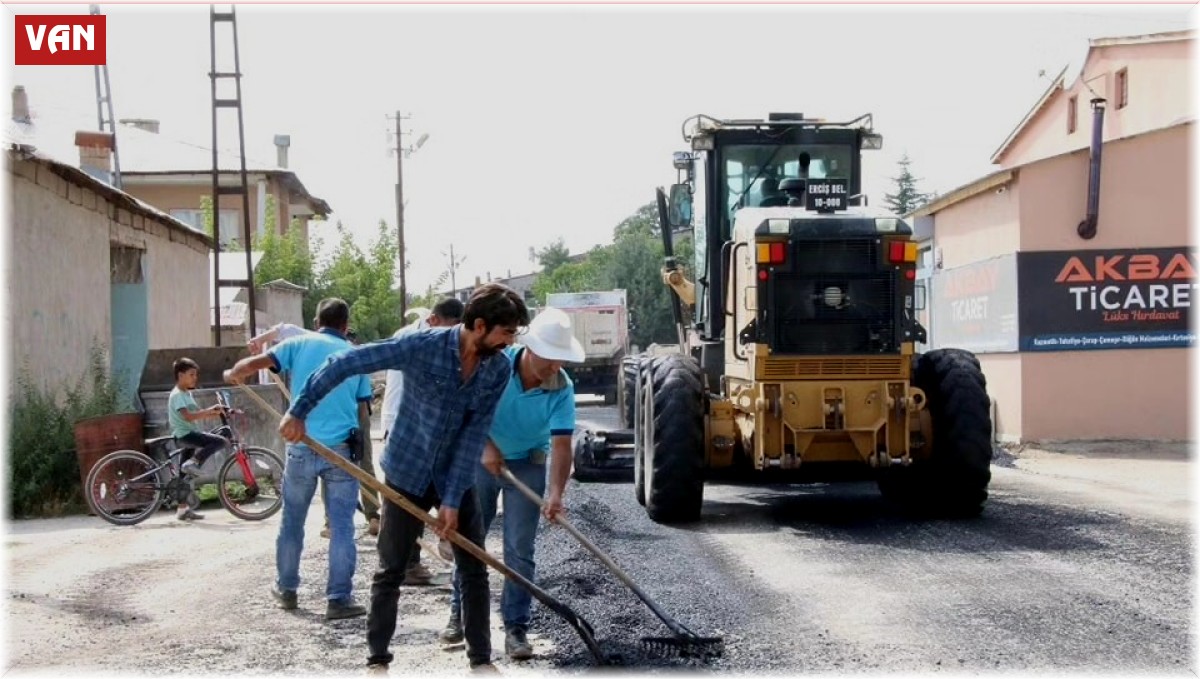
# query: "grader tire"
643,367
674,468
630,367
953,481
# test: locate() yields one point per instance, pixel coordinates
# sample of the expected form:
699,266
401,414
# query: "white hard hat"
550,337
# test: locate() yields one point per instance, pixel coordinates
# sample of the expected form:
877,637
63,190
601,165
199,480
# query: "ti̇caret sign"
1106,299
975,306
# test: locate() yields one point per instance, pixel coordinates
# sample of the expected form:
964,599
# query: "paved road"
1082,561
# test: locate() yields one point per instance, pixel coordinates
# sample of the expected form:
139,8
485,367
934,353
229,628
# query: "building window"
230,223
1072,110
1123,88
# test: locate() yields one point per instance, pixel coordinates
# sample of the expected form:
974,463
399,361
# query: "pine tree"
906,198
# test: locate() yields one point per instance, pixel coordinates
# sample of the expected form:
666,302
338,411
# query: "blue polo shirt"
526,419
332,420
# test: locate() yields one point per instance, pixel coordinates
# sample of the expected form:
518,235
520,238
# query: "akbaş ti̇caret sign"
1106,299
975,306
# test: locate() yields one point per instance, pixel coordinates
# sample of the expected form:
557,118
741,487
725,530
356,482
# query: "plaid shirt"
442,425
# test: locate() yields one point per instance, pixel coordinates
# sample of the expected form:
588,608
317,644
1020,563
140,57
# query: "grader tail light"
903,252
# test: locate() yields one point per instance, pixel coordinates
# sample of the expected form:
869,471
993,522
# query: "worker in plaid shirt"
453,379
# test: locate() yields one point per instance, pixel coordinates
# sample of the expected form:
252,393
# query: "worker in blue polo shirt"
536,415
334,423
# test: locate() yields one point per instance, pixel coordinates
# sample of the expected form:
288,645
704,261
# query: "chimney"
147,124
20,105
95,153
282,142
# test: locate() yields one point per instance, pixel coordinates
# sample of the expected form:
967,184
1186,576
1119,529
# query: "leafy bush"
43,469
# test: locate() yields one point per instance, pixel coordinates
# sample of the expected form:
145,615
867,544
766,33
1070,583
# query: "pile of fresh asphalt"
684,573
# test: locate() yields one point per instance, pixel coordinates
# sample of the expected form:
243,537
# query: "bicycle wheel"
257,501
124,487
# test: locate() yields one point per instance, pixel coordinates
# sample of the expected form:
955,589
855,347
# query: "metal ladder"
104,101
219,189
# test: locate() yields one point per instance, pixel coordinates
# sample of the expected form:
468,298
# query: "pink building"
1076,297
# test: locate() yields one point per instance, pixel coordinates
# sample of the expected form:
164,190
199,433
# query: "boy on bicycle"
183,413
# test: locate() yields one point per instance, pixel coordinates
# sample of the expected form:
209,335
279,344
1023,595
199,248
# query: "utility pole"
454,264
401,151
400,213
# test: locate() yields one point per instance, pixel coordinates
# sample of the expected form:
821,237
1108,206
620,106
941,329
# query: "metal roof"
106,191
144,153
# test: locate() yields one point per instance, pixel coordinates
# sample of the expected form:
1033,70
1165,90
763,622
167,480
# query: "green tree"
644,220
589,274
287,257
366,281
553,256
906,198
632,263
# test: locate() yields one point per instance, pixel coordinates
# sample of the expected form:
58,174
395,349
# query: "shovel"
579,624
685,642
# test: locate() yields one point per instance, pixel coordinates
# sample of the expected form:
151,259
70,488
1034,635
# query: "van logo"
60,40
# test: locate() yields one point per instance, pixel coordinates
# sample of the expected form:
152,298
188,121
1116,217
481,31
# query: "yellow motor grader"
797,354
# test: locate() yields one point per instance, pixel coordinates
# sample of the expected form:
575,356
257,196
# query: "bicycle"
126,487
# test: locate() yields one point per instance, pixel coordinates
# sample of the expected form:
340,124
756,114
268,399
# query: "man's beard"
485,350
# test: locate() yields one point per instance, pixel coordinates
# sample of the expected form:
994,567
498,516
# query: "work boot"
340,610
453,633
285,597
516,645
418,576
445,550
377,668
484,668
373,526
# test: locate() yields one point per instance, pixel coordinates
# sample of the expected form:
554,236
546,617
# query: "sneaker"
189,515
285,597
377,668
484,668
418,576
445,550
453,634
340,610
373,526
190,468
516,645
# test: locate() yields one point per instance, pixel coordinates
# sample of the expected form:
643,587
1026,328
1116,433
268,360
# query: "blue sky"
547,122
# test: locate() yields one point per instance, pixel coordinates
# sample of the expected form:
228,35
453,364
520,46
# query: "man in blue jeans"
333,423
536,414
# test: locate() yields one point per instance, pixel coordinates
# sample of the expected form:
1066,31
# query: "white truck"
600,321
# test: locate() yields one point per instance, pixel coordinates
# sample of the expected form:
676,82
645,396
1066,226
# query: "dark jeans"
520,533
397,540
207,444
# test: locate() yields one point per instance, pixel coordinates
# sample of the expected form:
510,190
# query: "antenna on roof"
104,101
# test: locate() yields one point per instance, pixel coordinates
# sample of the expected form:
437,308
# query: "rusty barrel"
96,437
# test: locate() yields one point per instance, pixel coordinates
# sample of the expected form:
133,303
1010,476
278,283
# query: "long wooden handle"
565,523
403,502
571,617
604,558
287,394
